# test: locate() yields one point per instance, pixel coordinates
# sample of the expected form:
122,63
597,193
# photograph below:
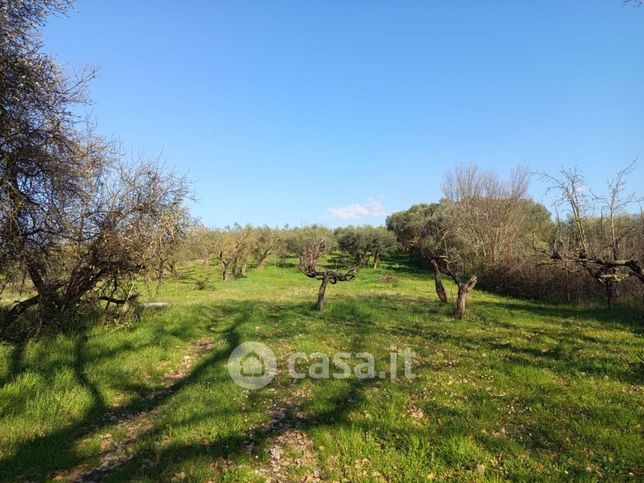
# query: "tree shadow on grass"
38,457
15,363
80,359
46,367
239,446
554,345
628,317
242,445
57,451
336,414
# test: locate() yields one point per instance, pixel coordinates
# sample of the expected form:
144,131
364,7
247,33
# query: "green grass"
518,390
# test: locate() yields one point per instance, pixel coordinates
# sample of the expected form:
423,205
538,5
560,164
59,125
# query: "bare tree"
599,224
168,238
485,210
74,216
118,229
480,220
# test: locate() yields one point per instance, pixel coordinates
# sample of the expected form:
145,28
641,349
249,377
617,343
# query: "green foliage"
414,225
366,242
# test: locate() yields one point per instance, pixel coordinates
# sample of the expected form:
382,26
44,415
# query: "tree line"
484,232
233,249
487,230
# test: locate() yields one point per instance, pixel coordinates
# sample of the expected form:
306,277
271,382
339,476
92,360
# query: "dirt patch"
290,449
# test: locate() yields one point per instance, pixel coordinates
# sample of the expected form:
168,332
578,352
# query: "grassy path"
130,425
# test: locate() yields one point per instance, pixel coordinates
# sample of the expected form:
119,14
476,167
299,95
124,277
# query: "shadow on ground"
555,346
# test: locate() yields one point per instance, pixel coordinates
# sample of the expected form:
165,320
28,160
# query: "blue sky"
340,112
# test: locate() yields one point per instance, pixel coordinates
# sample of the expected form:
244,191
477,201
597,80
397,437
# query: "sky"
340,112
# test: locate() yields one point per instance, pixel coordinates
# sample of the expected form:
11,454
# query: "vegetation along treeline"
485,232
81,224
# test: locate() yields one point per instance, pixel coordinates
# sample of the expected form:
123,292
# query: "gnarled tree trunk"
438,283
320,303
441,264
461,301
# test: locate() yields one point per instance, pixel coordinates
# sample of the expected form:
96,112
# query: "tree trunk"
261,259
22,283
320,303
609,288
438,283
242,271
376,259
224,271
461,301
18,309
160,271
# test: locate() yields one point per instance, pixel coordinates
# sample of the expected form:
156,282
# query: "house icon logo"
252,365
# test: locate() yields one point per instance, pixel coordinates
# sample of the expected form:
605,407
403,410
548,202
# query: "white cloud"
355,211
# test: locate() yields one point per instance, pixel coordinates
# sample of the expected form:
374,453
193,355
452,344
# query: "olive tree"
198,245
421,232
366,244
354,241
482,219
382,243
230,246
310,244
267,241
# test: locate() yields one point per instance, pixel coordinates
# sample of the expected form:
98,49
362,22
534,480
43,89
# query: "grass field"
518,390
